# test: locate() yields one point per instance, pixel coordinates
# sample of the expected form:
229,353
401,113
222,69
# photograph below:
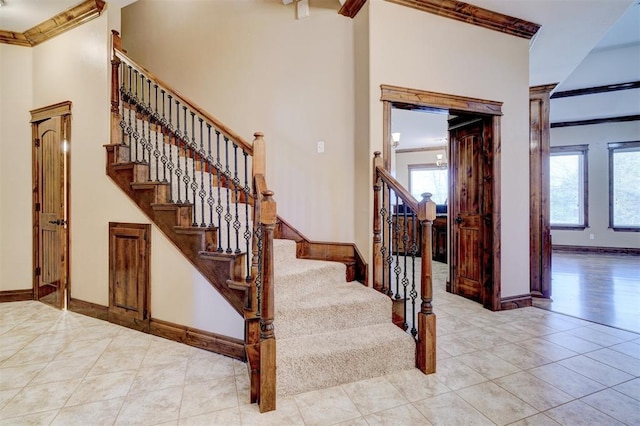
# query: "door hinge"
36,141
37,207
38,272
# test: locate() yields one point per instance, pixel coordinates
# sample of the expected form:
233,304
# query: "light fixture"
1,3
441,161
396,139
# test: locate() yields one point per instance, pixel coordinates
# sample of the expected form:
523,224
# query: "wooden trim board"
515,302
16,295
593,249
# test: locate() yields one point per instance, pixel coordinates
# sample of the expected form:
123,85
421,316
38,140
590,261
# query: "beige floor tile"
94,413
243,388
214,395
572,342
406,415
567,380
630,388
16,342
166,352
14,377
414,385
5,355
360,421
151,407
596,336
36,419
450,409
34,355
206,367
509,332
595,370
577,413
536,420
547,349
228,417
102,387
535,392
39,398
457,375
158,377
286,413
374,395
326,406
62,338
65,369
112,362
7,395
456,345
618,360
616,405
496,403
487,364
519,356
626,335
83,348
483,338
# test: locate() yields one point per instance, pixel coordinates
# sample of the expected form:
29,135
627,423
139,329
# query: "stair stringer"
216,268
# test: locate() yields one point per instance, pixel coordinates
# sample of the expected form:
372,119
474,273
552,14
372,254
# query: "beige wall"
74,66
597,137
256,68
423,51
15,167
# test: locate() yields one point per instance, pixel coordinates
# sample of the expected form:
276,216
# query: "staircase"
204,187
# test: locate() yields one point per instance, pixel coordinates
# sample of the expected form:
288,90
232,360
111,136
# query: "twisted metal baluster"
143,140
194,183
259,273
186,179
247,231
210,199
236,188
219,208
123,97
149,118
178,139
227,215
405,280
163,122
383,246
156,121
391,246
130,126
170,165
202,192
396,236
136,135
413,293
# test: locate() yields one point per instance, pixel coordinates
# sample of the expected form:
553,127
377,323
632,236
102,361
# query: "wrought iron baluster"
187,152
219,208
383,246
259,273
123,101
194,183
170,165
391,247
227,214
236,191
141,110
163,122
130,126
136,135
396,237
202,192
247,231
149,112
413,293
405,280
178,139
156,121
210,199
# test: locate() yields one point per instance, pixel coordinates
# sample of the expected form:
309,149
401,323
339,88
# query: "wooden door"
470,209
129,295
50,146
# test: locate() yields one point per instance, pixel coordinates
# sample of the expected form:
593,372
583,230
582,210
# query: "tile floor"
62,368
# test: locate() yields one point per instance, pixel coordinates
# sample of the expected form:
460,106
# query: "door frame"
62,110
414,99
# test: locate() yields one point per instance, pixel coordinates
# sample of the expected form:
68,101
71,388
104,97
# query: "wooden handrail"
403,194
226,131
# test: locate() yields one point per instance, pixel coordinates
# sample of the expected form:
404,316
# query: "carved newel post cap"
377,154
426,196
258,135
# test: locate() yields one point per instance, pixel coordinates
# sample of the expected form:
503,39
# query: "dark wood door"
50,247
129,295
471,209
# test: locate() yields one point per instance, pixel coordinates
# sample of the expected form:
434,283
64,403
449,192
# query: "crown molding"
64,21
475,15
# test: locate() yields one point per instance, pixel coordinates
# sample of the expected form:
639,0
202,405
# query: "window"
569,189
624,186
429,178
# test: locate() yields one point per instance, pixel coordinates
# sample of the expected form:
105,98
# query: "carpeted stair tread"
330,359
345,305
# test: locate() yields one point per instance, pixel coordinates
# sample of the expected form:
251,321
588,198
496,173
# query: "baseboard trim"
213,342
206,340
515,302
16,295
89,309
595,249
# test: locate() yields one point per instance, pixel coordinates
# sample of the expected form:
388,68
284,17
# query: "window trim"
613,147
425,166
584,151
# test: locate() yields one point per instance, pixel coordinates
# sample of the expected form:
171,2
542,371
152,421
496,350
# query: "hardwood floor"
604,288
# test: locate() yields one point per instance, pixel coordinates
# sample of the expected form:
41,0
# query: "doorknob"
459,219
58,222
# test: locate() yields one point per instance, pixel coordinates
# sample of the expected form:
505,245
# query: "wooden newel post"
267,336
426,344
116,43
258,168
377,226
259,155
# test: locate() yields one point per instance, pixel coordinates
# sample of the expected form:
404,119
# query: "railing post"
377,226
426,343
115,89
258,168
268,216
